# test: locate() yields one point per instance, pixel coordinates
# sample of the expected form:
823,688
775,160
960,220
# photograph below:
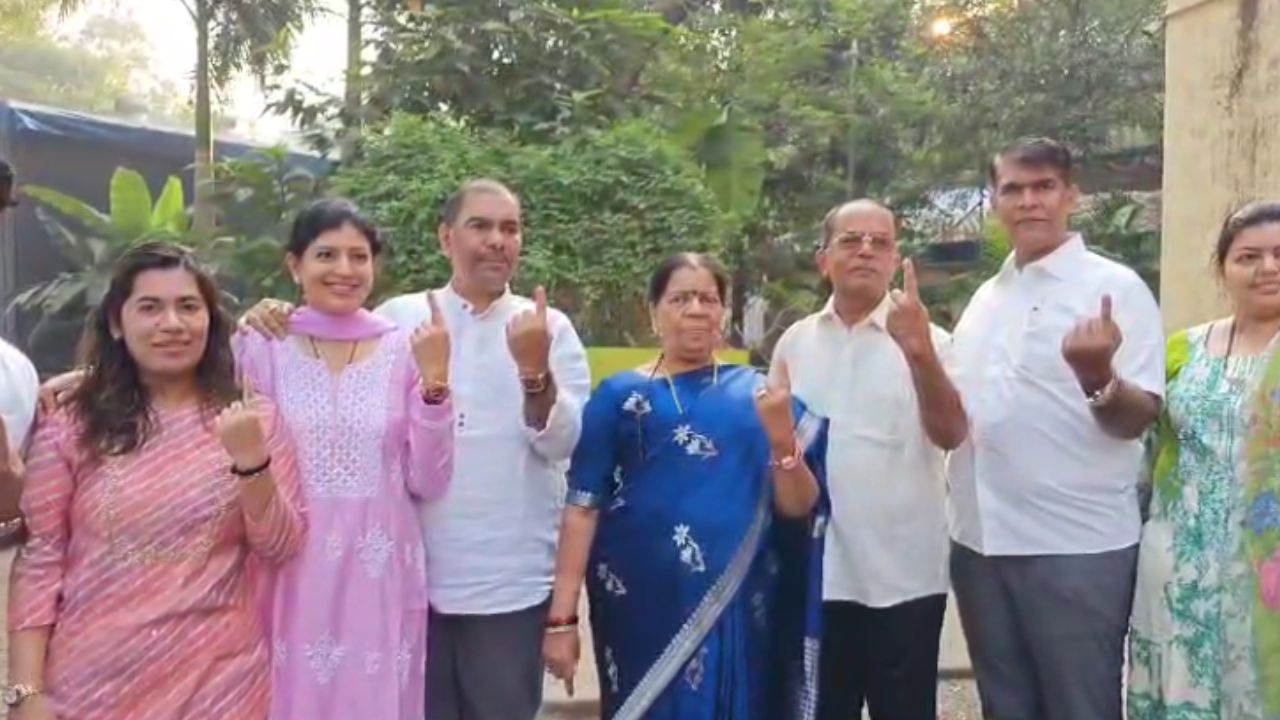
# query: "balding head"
859,252
865,208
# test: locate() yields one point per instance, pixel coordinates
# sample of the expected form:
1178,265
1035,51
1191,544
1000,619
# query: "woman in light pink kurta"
349,613
134,595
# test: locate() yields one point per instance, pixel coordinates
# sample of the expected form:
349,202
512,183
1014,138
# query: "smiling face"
1251,271
336,270
483,242
861,252
1034,203
164,324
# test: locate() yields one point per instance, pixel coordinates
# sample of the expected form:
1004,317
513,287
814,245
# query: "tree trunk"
741,287
203,220
351,104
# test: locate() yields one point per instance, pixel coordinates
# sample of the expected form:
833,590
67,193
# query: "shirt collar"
456,302
878,318
1061,263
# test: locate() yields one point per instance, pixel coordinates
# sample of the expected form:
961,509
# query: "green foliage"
600,210
92,240
1115,225
787,106
537,69
257,197
103,69
732,155
1088,72
254,35
24,18
946,301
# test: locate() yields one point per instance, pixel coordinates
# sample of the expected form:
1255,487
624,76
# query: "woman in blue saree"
695,516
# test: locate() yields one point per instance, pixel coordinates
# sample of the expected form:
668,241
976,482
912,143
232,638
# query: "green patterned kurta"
1190,645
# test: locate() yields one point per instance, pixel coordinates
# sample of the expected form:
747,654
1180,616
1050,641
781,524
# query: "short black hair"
1248,216
321,216
661,277
1038,152
453,205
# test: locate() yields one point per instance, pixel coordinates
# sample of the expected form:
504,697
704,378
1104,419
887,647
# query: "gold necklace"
715,380
351,357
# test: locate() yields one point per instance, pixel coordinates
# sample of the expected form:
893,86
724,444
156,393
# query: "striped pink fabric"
145,567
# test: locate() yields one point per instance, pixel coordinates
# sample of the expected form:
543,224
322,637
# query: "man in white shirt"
519,380
19,388
873,363
1059,359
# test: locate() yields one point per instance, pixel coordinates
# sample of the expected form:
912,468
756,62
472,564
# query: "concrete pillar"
1221,138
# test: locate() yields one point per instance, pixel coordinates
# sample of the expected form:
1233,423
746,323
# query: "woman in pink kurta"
368,405
153,500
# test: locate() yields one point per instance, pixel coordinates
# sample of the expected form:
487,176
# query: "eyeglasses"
853,241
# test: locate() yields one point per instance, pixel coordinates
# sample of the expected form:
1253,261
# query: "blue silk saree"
704,604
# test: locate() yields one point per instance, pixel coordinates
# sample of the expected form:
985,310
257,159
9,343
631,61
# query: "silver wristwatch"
16,694
1105,394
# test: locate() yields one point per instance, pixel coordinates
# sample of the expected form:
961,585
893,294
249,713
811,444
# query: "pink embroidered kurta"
146,566
349,613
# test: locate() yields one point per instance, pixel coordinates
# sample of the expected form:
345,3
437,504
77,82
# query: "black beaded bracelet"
254,472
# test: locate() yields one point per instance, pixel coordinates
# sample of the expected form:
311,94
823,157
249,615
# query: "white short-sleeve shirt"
887,540
1037,475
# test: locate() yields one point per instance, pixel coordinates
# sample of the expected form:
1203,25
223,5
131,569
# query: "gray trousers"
1046,632
485,667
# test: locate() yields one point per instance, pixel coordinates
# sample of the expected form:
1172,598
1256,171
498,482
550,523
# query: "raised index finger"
909,284
540,302
1106,308
437,317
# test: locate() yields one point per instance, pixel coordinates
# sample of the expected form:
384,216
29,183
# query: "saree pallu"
704,605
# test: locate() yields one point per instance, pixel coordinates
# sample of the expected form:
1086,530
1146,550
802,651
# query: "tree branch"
674,13
190,10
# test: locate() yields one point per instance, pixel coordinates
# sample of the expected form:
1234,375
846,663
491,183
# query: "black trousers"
885,658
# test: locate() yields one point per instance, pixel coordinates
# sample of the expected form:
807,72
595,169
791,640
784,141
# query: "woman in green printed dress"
1205,641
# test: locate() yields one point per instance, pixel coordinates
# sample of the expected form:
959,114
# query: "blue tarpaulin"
76,154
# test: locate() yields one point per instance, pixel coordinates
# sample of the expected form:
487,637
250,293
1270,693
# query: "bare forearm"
256,495
577,532
27,651
1129,413
10,495
795,491
941,409
537,407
